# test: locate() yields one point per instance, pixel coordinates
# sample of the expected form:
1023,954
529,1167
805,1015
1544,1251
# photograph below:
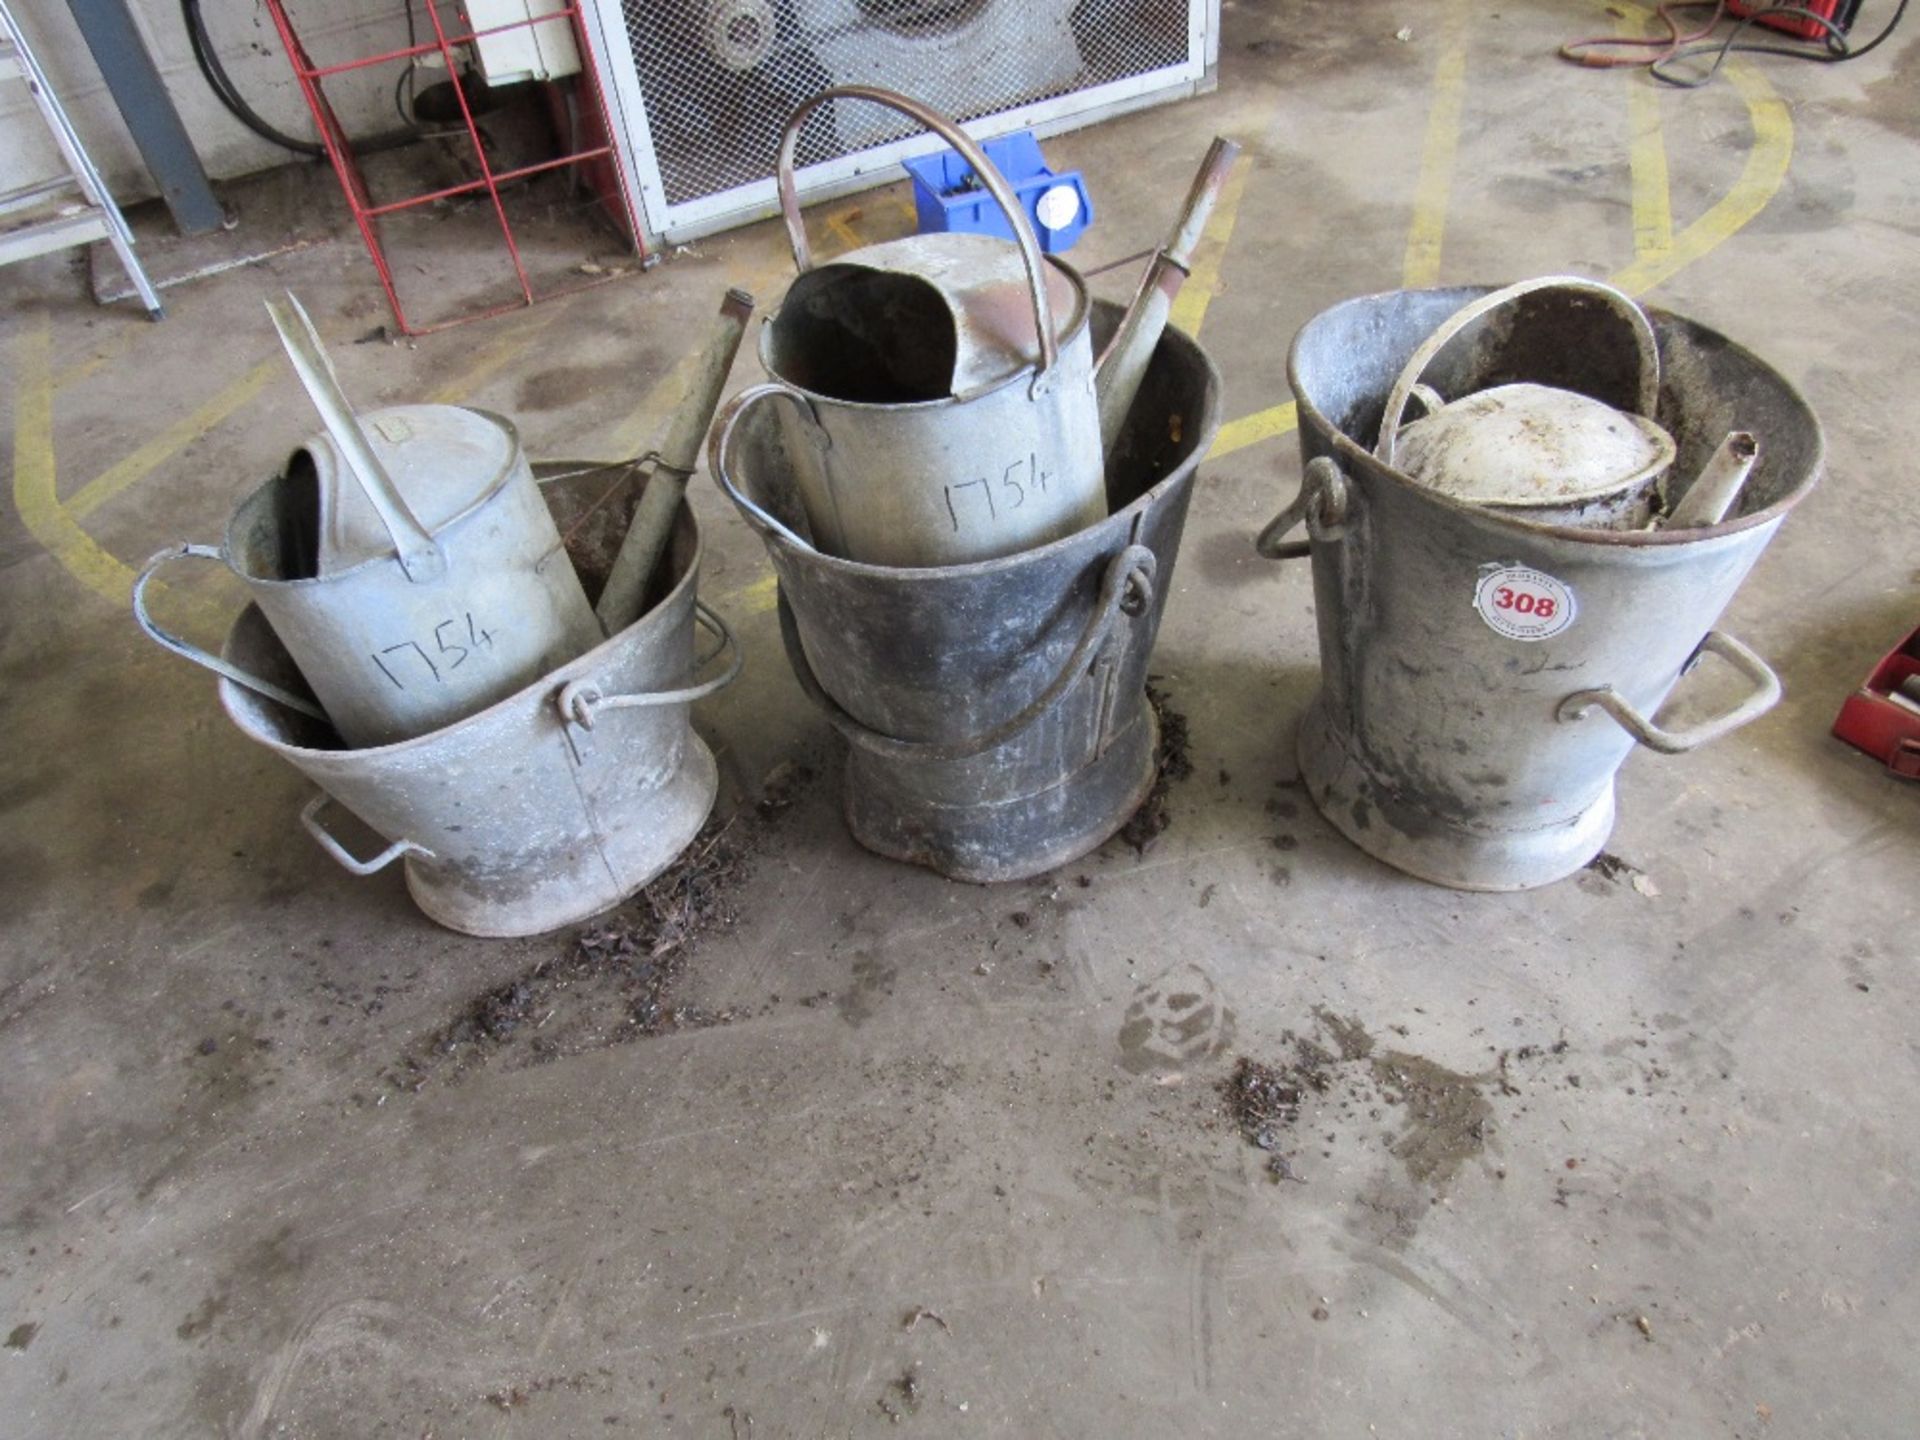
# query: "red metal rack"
367,214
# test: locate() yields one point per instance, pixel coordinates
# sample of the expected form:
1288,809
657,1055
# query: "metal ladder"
94,216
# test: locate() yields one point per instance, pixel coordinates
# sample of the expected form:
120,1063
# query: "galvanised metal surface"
938,394
995,713
1544,452
388,656
1482,676
549,806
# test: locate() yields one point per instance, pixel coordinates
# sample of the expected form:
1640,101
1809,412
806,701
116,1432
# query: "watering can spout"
420,556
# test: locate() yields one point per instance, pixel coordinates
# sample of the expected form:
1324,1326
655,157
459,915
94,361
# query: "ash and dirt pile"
1173,762
616,981
1446,1117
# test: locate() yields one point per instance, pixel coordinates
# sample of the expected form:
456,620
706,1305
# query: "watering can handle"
1622,304
1126,588
581,701
420,555
173,642
1763,697
1323,502
310,818
720,450
969,150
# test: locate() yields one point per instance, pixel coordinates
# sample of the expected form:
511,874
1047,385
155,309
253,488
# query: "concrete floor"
1697,1218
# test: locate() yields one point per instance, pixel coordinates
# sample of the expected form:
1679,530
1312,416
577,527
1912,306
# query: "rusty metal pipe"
1117,374
646,538
1718,485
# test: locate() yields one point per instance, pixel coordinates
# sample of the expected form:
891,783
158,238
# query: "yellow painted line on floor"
34,495
1189,309
756,597
1647,152
1759,182
125,474
842,223
490,359
1252,429
1437,152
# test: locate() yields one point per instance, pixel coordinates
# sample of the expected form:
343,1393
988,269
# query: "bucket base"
890,812
1392,828
597,880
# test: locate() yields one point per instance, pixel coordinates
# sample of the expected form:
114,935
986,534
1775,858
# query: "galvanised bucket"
995,713
1483,676
550,805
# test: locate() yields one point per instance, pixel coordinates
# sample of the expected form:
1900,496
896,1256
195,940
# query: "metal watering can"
405,560
1488,661
941,406
1539,451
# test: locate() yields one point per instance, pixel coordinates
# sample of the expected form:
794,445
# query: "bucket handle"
420,554
581,701
1126,588
1764,696
310,818
1323,503
192,652
720,449
969,150
1622,304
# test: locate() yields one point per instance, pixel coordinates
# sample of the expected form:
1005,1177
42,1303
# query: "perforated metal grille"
720,77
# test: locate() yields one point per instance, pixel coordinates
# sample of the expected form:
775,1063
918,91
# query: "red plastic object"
597,160
1839,12
1882,726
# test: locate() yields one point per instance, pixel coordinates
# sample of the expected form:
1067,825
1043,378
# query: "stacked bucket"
1525,511
421,645
971,576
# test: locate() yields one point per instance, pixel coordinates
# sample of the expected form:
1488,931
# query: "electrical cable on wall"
1830,47
228,94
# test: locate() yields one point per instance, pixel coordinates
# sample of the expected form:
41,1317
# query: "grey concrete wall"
249,46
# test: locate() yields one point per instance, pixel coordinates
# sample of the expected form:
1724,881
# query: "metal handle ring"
969,149
580,701
1323,502
720,450
1619,301
1131,569
1763,697
310,818
215,663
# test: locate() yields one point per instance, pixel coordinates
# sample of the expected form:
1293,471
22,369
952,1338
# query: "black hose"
223,89
1834,47
228,95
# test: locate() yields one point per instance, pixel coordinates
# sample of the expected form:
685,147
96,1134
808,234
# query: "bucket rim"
551,682
516,457
860,569
1351,451
1078,324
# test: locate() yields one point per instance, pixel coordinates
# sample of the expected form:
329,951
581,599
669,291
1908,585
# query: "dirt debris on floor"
1445,1115
618,979
781,786
1173,762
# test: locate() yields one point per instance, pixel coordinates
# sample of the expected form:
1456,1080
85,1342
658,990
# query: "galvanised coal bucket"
1484,675
548,806
995,713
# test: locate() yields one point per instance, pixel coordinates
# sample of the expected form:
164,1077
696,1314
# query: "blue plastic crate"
948,197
